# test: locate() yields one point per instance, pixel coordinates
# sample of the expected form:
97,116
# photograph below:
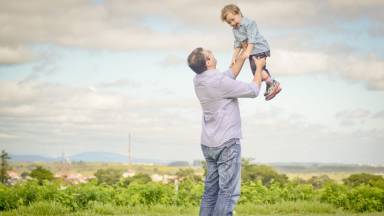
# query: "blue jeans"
222,183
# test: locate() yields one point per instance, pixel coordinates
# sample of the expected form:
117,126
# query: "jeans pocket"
231,152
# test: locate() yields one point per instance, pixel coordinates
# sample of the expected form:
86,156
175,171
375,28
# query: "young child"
248,38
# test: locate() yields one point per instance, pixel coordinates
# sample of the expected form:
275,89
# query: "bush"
81,195
335,194
108,176
189,192
366,199
138,178
41,174
253,192
364,178
267,175
319,181
296,192
145,194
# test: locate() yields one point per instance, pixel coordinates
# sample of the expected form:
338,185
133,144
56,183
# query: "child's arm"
252,31
248,51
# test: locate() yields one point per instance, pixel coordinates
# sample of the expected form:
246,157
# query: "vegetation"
41,174
4,167
264,191
108,176
266,174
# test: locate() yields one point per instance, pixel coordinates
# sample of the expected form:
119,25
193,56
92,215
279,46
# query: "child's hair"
231,8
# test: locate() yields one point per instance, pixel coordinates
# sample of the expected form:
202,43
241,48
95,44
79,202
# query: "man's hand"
233,61
260,62
236,67
245,55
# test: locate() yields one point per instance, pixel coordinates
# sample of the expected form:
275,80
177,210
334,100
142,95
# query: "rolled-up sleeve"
236,44
252,32
231,88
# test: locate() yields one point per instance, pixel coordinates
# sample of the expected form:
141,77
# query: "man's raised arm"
236,67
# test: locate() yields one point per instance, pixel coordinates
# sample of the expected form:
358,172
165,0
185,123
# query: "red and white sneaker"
272,90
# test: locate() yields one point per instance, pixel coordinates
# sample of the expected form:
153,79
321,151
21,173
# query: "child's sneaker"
272,90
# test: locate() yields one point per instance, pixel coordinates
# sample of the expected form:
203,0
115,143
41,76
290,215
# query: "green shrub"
253,192
335,194
267,175
364,179
41,174
365,198
108,176
145,194
189,192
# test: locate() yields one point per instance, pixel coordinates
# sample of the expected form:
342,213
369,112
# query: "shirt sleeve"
231,88
229,74
252,32
236,43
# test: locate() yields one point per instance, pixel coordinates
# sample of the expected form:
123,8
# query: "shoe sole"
274,93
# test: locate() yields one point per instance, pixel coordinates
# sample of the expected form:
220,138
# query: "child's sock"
269,80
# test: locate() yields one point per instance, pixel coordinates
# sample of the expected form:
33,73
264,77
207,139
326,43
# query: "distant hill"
31,158
86,157
99,156
326,167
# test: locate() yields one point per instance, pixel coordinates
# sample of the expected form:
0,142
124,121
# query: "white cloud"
368,69
117,24
15,55
270,138
55,115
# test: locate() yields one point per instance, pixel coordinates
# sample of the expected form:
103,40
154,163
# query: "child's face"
233,20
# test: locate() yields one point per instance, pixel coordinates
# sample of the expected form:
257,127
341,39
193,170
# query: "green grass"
95,208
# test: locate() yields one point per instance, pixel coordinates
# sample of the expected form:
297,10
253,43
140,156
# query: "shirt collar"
209,72
243,21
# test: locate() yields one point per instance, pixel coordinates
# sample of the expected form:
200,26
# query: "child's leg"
265,75
272,86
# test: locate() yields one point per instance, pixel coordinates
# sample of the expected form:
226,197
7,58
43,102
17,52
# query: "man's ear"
206,61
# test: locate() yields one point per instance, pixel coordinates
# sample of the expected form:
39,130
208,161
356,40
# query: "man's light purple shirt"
218,93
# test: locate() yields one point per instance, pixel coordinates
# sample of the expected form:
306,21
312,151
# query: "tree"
138,178
188,173
108,176
4,167
179,164
364,178
41,174
319,181
255,172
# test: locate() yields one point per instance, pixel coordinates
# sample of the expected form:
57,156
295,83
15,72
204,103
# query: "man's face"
210,59
233,20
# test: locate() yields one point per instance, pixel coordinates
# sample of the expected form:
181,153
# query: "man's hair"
231,8
196,61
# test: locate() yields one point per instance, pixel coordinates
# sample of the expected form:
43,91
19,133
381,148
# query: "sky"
82,75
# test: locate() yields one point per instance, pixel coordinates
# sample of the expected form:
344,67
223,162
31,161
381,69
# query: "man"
221,127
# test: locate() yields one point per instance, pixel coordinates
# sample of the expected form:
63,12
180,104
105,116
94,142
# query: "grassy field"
286,208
